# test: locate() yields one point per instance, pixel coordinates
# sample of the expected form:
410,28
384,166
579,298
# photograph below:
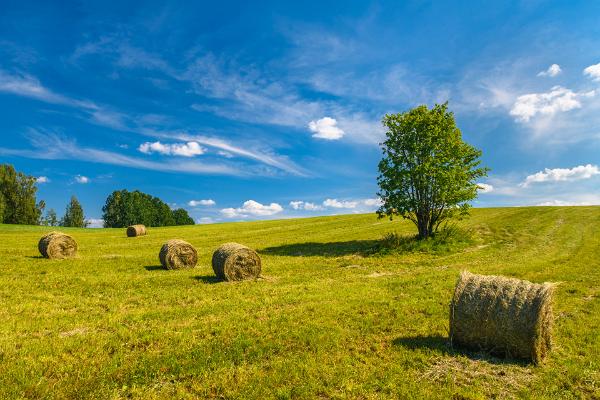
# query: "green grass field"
330,318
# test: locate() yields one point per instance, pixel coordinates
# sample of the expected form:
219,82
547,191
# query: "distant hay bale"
136,230
505,316
178,254
57,245
236,262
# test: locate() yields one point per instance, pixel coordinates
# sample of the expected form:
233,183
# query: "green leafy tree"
182,217
51,219
18,197
428,173
124,208
74,215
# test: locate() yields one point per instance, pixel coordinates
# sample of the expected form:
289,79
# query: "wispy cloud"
557,100
42,179
50,146
485,188
593,71
305,205
82,179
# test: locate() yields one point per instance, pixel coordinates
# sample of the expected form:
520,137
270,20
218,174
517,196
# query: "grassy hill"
330,319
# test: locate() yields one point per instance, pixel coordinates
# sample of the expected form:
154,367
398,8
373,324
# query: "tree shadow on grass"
210,279
327,249
442,344
36,257
154,268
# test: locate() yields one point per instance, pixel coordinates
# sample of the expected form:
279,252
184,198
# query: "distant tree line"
124,208
18,205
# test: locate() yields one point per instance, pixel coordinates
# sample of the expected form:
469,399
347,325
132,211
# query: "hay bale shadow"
154,267
326,249
210,279
35,256
442,345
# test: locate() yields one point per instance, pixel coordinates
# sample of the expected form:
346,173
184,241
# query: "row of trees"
18,205
124,208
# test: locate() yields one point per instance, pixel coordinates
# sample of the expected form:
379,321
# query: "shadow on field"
154,267
442,344
207,279
329,249
35,256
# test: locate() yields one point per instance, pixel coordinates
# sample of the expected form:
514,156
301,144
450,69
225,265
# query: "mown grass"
335,316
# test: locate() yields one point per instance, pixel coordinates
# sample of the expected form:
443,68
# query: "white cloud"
252,208
205,220
593,71
485,188
373,202
196,203
305,205
95,222
189,149
42,179
563,203
334,203
82,179
552,71
325,128
559,99
562,174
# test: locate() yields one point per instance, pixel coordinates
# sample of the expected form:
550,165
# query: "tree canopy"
124,208
18,197
74,215
428,173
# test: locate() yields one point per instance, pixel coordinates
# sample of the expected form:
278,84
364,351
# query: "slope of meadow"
330,318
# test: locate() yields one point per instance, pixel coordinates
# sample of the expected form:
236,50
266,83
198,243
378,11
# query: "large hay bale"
57,245
178,254
136,230
236,262
505,316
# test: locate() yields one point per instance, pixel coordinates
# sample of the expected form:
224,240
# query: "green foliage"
17,197
50,219
124,208
182,217
74,215
450,238
427,173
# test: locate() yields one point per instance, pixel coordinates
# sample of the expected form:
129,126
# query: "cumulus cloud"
551,72
42,179
373,202
558,99
252,208
81,179
325,128
562,174
485,188
189,149
305,205
335,203
196,203
593,71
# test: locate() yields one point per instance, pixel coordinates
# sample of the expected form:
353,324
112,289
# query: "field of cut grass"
331,318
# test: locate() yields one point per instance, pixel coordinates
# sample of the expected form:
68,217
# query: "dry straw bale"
136,230
505,316
236,262
57,245
177,254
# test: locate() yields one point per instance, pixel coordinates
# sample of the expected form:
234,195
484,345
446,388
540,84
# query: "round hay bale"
236,262
57,245
178,254
136,230
501,315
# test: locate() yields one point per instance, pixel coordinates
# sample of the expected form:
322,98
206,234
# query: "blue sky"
238,110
